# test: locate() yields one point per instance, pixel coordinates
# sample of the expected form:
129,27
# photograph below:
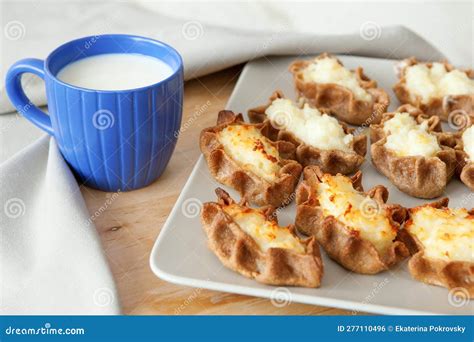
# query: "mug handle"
18,97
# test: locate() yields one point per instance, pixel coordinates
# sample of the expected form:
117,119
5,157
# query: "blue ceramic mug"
112,140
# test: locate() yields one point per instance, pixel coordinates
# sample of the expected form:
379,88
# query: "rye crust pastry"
346,244
415,175
465,163
278,258
340,100
441,106
331,161
442,269
257,189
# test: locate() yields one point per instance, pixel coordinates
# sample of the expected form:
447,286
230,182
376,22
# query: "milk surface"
115,71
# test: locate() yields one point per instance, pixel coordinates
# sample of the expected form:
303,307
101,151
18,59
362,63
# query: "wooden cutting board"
129,222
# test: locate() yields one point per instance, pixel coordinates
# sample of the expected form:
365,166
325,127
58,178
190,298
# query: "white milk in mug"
115,71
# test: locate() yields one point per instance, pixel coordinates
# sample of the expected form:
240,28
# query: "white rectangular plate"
180,254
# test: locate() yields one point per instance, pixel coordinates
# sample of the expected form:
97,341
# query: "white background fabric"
51,261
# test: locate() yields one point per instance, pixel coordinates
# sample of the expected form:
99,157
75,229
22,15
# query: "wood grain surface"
128,224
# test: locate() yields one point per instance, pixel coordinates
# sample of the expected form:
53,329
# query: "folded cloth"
50,256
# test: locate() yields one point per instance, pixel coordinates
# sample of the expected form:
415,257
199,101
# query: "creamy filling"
267,234
246,145
436,82
360,213
407,138
446,234
328,70
468,142
309,125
